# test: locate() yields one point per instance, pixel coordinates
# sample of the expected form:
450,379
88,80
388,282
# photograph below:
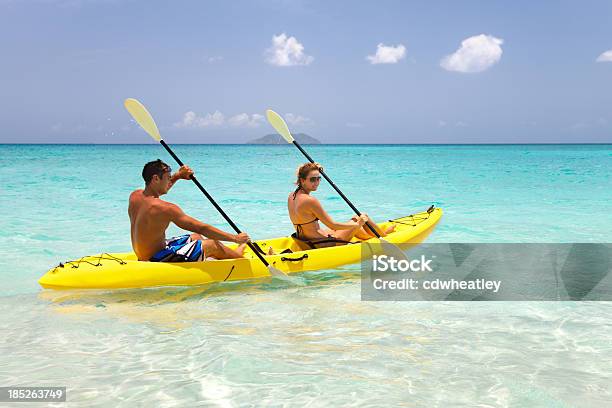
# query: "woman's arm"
325,218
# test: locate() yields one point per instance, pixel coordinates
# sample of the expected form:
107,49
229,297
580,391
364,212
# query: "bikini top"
298,227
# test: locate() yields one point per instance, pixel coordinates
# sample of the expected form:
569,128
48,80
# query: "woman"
306,211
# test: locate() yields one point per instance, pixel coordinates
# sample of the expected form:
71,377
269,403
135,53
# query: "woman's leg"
365,232
345,235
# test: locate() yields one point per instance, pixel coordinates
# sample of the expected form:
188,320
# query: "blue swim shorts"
180,249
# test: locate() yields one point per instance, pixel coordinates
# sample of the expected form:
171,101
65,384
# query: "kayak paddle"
279,124
145,120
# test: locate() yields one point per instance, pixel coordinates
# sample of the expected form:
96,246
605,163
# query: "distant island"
274,139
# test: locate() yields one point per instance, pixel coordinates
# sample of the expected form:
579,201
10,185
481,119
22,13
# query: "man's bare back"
149,219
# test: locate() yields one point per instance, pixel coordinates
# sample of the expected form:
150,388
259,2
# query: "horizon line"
315,144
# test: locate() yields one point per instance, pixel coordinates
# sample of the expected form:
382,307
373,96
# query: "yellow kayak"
123,270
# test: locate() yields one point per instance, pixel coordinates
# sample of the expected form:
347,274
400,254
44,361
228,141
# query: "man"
150,217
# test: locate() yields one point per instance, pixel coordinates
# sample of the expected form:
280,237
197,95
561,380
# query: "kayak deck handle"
301,258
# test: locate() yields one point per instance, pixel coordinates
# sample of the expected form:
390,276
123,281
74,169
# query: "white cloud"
441,123
286,52
192,121
476,54
354,125
298,120
244,120
605,56
387,54
214,59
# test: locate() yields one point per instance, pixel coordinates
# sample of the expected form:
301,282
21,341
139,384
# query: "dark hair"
152,168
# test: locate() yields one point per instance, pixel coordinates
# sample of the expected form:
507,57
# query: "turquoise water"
266,342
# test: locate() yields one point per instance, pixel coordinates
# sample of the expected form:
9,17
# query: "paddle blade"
143,117
282,276
392,250
276,272
279,124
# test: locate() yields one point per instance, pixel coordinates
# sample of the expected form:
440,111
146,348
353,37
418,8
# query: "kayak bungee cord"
414,223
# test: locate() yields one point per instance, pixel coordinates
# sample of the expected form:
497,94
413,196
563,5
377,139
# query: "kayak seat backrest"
317,243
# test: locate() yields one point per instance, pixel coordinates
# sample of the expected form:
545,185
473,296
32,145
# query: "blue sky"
344,72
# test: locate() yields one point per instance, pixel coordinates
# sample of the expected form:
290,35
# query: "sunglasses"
314,179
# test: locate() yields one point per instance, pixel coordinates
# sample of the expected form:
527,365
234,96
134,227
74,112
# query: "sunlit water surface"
271,343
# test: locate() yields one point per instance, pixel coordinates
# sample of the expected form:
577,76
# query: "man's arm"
184,172
184,221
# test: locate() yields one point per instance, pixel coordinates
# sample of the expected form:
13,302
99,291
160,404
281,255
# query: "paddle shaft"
214,203
336,188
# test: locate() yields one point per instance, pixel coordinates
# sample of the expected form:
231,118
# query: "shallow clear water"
265,342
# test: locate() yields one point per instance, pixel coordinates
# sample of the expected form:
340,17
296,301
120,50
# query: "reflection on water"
168,306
